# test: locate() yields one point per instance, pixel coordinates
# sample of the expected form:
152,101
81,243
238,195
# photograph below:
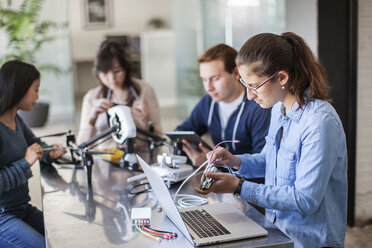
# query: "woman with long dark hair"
21,224
117,86
304,160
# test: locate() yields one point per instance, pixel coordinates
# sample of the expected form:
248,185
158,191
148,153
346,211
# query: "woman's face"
28,102
113,78
268,94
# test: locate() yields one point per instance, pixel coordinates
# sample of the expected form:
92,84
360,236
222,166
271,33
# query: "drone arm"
151,135
99,136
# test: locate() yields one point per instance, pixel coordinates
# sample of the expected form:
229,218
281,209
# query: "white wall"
364,113
302,19
128,17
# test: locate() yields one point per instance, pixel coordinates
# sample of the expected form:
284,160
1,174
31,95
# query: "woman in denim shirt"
304,160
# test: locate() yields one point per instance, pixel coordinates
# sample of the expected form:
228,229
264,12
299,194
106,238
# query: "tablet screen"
190,136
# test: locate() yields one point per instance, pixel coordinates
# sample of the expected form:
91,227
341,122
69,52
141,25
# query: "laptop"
225,222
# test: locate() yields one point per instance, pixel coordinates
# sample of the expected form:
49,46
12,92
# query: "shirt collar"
294,114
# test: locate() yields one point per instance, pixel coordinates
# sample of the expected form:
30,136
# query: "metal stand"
86,197
129,159
70,142
90,207
88,164
177,148
153,140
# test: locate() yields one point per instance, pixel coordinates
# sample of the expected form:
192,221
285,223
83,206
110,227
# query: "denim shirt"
305,191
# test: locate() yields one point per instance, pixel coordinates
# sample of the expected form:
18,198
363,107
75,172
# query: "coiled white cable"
187,200
190,200
193,200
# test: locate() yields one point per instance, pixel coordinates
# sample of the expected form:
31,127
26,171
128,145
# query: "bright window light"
243,3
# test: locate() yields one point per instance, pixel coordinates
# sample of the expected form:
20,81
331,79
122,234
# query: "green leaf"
27,34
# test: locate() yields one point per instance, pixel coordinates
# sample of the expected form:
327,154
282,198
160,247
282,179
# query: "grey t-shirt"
14,169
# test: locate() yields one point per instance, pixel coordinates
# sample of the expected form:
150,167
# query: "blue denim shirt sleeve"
319,154
252,165
305,190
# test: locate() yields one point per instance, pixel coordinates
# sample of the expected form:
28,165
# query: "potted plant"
26,34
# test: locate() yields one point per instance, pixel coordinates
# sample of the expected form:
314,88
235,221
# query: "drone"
122,129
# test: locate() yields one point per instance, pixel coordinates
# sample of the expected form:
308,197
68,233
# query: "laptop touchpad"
231,217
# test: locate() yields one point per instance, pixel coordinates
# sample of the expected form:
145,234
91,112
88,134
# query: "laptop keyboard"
203,224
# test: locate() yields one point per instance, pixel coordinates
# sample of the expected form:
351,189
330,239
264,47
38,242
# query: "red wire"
166,232
165,236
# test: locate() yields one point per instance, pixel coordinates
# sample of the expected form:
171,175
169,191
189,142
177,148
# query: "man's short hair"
221,52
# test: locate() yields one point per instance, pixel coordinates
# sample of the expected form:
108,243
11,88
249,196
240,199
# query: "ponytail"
269,53
307,72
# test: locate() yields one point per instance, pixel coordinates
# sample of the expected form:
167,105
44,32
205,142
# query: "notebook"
232,224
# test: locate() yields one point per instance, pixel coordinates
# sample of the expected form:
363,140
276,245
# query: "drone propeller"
52,135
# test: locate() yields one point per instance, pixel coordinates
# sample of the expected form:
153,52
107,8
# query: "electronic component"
141,216
207,181
171,168
141,219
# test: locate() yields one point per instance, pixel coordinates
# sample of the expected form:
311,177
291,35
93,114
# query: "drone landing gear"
129,158
88,165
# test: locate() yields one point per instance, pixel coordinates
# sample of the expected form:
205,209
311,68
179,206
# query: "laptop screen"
162,194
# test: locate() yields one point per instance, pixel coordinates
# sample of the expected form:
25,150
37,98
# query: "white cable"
196,171
187,200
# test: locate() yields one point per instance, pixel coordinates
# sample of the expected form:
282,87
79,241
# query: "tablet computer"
190,136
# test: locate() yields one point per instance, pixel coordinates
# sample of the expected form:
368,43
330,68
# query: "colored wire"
164,235
156,234
171,233
228,168
147,234
214,149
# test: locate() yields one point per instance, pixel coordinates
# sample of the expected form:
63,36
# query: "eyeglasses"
247,85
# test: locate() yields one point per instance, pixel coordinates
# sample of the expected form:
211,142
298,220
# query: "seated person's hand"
57,151
34,152
222,183
141,114
225,156
196,157
101,105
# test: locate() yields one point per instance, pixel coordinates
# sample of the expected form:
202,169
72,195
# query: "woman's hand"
225,156
196,157
34,152
100,105
222,183
141,114
57,151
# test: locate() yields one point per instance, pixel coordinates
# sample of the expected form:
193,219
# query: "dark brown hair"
107,52
221,52
16,77
269,53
